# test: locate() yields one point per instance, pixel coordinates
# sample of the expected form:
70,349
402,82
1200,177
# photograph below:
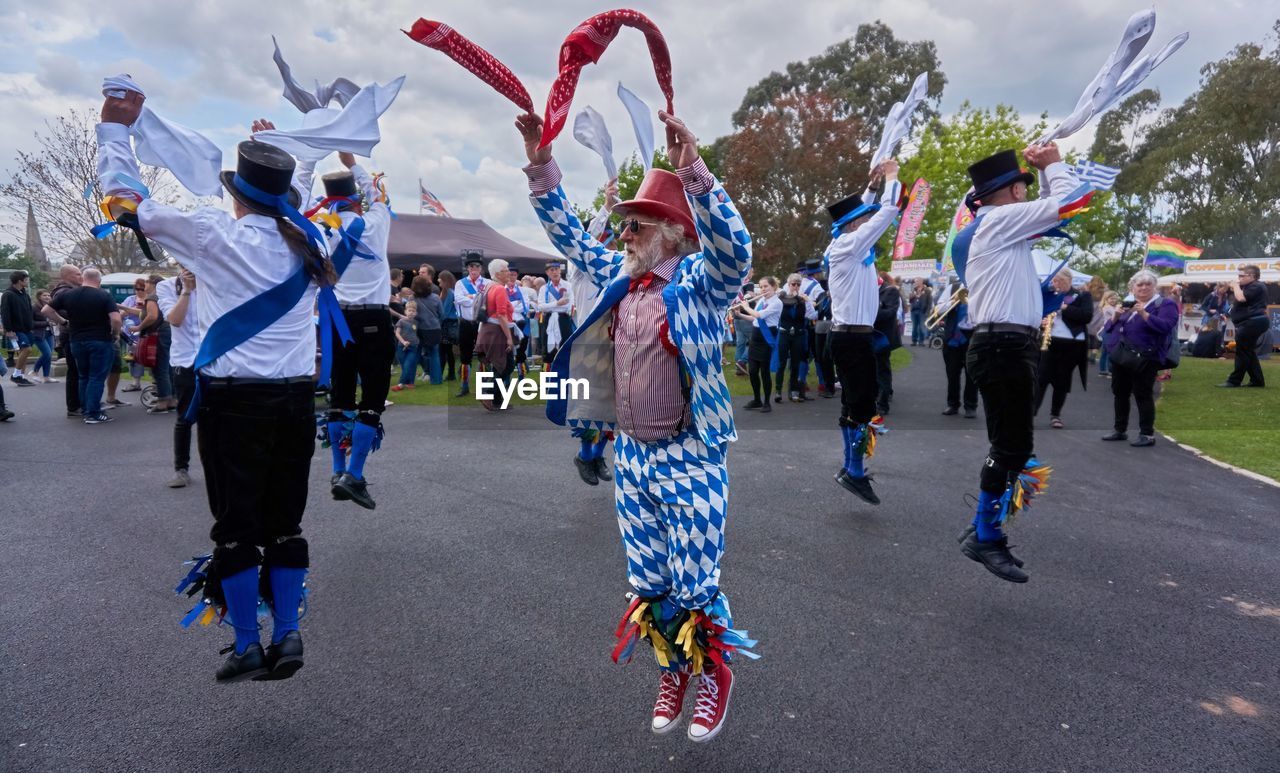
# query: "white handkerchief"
898,123
117,85
341,89
354,129
190,156
641,122
589,129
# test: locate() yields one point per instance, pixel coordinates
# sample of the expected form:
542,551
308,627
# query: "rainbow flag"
1169,253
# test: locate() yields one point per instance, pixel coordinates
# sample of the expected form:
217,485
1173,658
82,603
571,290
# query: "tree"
945,151
863,76
783,166
632,172
1213,163
12,260
53,180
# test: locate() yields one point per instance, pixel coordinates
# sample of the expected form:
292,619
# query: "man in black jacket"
17,319
1249,315
887,325
1068,347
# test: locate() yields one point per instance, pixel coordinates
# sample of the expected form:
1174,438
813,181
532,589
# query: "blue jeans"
429,357
408,364
918,334
1104,360
44,343
161,373
93,360
741,339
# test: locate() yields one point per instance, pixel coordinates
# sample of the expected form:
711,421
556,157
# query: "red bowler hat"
661,195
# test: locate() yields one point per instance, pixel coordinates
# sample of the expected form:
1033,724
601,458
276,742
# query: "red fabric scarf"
585,45
442,37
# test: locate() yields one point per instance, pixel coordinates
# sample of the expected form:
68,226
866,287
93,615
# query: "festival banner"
962,218
1168,252
912,219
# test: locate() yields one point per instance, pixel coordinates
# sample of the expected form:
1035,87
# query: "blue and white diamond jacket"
697,300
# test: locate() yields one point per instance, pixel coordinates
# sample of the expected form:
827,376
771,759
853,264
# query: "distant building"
34,247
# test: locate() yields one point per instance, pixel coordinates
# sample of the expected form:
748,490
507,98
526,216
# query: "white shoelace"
708,699
668,694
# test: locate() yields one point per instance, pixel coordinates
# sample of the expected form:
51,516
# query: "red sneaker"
666,710
712,706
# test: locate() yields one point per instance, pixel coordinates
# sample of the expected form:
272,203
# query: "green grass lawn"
443,395
1237,426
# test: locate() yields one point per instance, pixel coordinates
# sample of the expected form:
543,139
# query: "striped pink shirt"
648,396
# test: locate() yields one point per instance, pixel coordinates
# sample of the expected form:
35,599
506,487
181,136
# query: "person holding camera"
1138,344
1249,315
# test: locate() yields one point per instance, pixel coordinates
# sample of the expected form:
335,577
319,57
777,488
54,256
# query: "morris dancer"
555,303
659,381
465,294
857,224
1006,304
349,198
259,274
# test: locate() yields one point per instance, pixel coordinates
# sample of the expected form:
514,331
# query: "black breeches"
1004,367
366,360
855,363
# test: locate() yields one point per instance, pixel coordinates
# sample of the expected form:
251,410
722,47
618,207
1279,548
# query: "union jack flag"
428,202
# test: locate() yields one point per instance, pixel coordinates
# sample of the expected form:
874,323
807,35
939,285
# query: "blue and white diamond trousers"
671,497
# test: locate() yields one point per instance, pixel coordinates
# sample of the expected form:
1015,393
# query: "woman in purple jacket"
1137,340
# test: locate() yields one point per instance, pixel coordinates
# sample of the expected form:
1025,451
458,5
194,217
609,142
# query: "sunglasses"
633,225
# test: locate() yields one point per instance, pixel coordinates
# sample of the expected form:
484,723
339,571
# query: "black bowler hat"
262,172
340,184
848,209
997,171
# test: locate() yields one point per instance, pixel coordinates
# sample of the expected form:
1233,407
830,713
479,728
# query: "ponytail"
314,262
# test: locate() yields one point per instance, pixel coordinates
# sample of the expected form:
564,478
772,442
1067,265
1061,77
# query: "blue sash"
1051,300
524,324
769,338
260,312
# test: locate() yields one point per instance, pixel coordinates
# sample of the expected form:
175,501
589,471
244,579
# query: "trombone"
944,308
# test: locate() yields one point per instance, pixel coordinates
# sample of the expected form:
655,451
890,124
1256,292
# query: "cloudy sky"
208,65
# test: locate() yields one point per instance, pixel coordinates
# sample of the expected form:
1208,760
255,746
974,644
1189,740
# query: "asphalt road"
466,623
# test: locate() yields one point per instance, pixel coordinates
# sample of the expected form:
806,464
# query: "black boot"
587,471
284,659
860,487
971,530
351,487
602,468
995,557
238,668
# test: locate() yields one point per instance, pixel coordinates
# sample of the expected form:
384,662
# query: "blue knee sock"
987,517
336,430
286,597
241,591
597,450
362,437
852,459
584,450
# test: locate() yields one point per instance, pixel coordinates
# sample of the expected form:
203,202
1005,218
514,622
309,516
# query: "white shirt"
770,311
365,281
854,288
548,302
465,300
1001,275
235,260
812,289
185,340
584,291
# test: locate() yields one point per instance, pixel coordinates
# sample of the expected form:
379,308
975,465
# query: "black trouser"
72,383
953,358
369,356
1247,335
761,380
855,361
256,442
467,332
1004,367
184,387
1058,365
823,362
1140,383
448,338
884,380
792,350
565,323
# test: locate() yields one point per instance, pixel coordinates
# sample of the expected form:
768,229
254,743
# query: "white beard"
641,258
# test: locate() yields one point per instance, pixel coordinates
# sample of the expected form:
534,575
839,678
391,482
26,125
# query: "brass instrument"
1046,330
944,308
746,301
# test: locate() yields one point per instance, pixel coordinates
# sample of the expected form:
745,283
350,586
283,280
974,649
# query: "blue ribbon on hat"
280,203
865,209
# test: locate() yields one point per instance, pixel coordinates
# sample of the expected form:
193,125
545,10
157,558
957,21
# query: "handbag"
147,350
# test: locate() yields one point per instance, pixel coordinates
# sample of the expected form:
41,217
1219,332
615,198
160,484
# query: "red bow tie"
643,281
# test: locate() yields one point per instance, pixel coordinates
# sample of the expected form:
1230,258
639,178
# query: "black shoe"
827,394
971,530
1143,441
754,405
971,413
1116,434
995,557
860,487
587,471
602,469
354,489
766,408
1228,385
951,411
284,659
6,414
450,377
338,493
1255,385
76,414
239,668
778,398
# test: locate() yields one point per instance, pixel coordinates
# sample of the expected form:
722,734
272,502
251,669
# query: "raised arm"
1063,197
854,245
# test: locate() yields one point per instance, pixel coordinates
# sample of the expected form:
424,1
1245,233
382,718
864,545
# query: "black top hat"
340,184
997,171
261,169
473,259
849,208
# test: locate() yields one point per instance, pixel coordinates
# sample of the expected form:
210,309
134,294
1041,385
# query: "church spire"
34,247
